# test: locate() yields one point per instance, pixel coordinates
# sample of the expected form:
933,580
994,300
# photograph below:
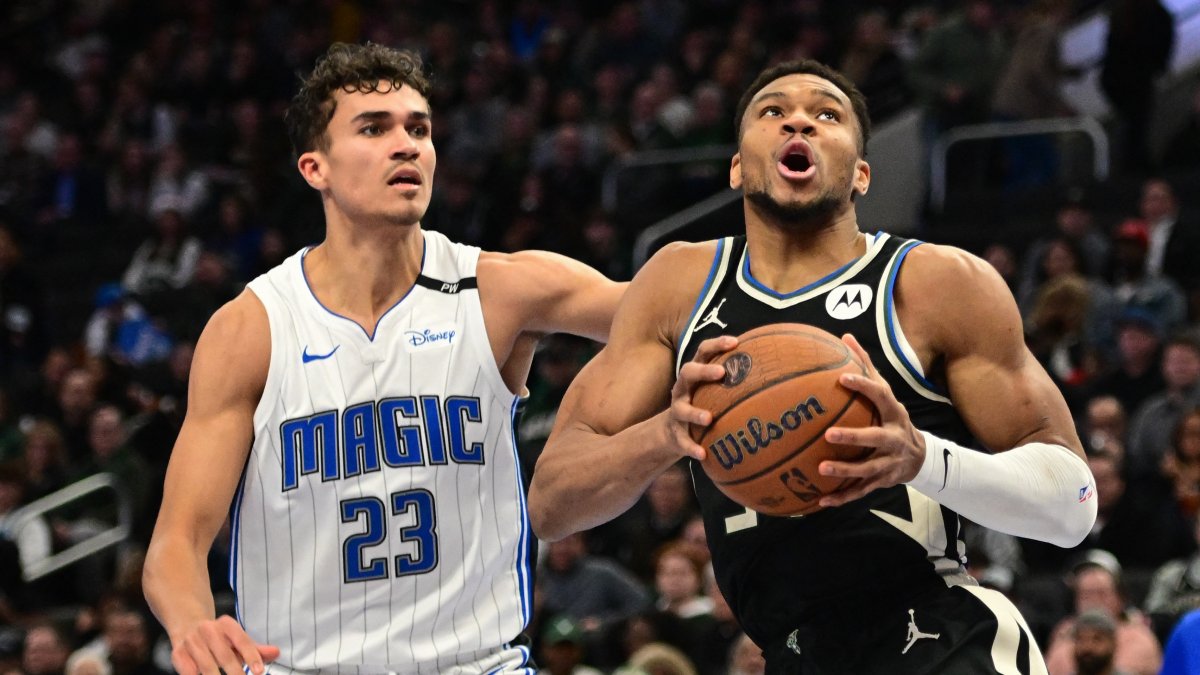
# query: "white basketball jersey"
381,520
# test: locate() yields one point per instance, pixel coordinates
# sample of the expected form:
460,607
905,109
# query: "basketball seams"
767,384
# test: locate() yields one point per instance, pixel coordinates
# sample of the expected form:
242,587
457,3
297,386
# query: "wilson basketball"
770,412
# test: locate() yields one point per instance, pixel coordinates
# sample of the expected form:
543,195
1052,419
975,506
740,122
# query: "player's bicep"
228,371
619,387
1004,395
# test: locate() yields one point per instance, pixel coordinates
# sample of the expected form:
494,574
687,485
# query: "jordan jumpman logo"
712,317
915,633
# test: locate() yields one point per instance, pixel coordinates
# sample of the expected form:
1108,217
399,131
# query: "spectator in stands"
177,185
1058,334
238,235
72,191
45,650
1132,283
126,643
1028,89
1096,582
592,591
127,187
1174,589
562,651
658,658
1153,424
1095,635
1181,464
76,400
1104,426
1139,526
1136,375
1074,221
110,453
659,517
875,67
121,329
556,363
1141,35
679,584
166,260
955,69
1174,242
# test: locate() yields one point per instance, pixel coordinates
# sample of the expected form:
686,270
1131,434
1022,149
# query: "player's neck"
786,259
361,274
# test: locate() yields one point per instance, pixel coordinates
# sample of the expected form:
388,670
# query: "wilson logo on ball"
730,449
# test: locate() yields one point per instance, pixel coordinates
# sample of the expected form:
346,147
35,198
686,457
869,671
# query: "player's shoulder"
948,269
680,264
239,332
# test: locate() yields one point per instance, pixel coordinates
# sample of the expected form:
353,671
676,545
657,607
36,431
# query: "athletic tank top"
777,573
380,521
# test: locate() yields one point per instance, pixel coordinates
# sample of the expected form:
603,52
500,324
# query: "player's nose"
404,146
799,122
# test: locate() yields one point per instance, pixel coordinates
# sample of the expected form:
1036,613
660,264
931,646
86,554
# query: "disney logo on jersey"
429,338
732,448
848,301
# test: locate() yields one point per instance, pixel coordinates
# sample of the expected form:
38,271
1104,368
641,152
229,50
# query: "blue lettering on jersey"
418,338
304,441
405,431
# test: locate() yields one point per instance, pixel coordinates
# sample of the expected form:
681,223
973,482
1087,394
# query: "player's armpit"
227,378
611,436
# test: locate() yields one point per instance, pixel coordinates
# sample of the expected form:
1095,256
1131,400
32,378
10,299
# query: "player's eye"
771,111
370,130
830,115
419,131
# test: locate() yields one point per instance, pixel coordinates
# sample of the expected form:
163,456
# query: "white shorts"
508,660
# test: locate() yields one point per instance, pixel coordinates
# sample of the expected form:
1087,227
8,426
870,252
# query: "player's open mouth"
796,162
405,177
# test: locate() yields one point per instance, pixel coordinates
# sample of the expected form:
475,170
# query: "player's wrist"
931,474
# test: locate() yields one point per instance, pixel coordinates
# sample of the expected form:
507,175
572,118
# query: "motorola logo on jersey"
401,432
730,449
848,301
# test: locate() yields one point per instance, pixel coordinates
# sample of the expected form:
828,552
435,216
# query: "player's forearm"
584,479
1037,490
176,585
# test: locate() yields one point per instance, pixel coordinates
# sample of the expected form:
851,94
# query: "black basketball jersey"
781,573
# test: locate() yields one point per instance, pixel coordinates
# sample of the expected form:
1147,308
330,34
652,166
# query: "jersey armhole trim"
715,273
899,351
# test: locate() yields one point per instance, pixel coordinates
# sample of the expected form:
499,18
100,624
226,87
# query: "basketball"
770,412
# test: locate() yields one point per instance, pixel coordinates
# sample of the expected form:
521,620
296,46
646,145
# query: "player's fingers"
852,342
216,641
201,655
867,469
244,649
858,491
862,437
694,373
682,411
713,347
268,653
687,446
184,664
877,391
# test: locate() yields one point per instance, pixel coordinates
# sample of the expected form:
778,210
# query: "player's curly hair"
809,67
363,68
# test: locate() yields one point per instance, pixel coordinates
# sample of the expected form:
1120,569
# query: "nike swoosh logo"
309,358
945,466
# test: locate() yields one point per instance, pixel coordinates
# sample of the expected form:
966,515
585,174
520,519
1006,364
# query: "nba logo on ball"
849,301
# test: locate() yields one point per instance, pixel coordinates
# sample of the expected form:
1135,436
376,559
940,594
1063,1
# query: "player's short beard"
816,212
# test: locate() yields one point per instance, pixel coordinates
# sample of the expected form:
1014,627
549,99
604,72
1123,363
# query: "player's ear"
862,177
312,167
735,171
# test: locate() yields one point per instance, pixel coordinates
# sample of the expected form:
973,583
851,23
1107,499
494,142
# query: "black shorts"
959,630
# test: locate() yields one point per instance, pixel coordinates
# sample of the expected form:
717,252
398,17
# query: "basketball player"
876,583
352,414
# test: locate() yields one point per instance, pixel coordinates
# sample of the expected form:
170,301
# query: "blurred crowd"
145,178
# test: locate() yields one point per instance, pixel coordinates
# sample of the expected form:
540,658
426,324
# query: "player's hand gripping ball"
770,412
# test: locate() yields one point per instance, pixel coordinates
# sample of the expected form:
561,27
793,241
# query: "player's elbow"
1075,523
546,521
